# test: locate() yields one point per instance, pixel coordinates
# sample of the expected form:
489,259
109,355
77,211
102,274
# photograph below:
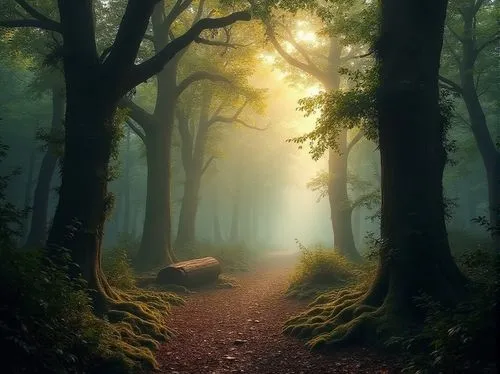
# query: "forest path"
238,330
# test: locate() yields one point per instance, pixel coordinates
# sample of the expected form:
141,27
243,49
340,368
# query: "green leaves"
341,110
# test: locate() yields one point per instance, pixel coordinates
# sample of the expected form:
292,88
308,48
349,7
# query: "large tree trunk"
340,206
126,187
84,200
38,228
415,256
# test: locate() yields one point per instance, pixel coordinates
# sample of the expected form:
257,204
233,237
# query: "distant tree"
156,128
95,83
471,50
323,63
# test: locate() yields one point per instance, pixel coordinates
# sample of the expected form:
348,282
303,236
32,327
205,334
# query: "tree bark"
489,154
127,182
193,154
155,249
38,228
234,233
217,232
340,206
84,200
415,256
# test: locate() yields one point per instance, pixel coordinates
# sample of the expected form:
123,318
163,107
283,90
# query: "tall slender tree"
471,34
325,69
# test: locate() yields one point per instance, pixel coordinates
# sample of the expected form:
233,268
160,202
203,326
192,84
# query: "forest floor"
238,330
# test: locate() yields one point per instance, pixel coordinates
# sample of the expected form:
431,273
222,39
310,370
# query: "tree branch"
243,123
130,34
198,76
207,164
137,131
155,64
352,56
354,141
139,115
53,25
455,34
486,43
218,43
312,70
179,7
28,23
455,87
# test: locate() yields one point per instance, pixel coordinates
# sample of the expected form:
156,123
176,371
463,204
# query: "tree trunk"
234,233
340,206
217,232
84,200
126,183
490,155
155,249
415,256
28,190
38,229
341,210
189,208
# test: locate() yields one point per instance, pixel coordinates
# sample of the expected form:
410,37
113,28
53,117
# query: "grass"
320,270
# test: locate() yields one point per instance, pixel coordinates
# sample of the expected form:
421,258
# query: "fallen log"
190,273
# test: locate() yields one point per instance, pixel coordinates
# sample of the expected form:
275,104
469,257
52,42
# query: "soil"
238,330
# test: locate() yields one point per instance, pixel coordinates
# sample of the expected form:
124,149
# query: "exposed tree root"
337,318
137,325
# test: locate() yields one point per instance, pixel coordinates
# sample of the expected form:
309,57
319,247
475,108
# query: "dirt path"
239,331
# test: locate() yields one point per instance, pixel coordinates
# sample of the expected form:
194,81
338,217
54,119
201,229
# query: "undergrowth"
320,270
463,338
47,324
451,339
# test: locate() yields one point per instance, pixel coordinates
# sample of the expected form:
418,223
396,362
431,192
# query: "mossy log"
190,273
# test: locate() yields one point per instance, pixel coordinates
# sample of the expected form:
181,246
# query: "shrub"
318,270
46,322
118,269
463,338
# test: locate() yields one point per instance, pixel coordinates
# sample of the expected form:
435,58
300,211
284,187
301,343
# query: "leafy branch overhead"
341,110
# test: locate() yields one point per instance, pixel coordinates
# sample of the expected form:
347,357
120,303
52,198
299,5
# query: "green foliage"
11,219
318,270
341,110
463,336
118,269
46,322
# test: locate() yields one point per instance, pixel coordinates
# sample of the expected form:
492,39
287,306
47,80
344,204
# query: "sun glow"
313,90
306,36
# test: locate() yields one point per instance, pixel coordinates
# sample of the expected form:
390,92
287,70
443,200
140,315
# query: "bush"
118,269
46,322
463,338
319,270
